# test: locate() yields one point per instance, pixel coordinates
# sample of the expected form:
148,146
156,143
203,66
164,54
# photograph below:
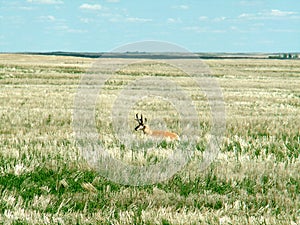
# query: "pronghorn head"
141,122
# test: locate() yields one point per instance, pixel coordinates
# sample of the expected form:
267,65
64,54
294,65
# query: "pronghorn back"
165,134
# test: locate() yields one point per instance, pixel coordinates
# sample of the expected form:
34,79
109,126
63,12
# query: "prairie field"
44,179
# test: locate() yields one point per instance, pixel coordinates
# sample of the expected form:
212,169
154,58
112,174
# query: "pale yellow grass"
258,158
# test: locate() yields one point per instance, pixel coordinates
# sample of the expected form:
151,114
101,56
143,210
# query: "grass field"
44,179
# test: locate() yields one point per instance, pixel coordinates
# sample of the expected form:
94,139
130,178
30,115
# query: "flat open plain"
44,180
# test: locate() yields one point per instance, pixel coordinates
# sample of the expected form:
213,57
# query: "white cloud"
49,2
276,12
203,18
174,20
51,18
119,18
48,18
245,15
26,8
270,14
219,19
171,20
86,20
284,30
183,7
90,7
198,29
113,17
137,20
67,29
76,31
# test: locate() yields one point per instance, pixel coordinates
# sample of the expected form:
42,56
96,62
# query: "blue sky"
197,25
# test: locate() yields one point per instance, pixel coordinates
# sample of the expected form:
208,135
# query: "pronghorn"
154,133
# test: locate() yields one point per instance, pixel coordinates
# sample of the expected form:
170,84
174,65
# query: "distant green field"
45,180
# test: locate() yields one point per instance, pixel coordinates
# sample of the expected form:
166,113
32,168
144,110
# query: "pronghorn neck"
147,130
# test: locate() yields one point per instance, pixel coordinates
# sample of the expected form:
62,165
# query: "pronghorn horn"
140,120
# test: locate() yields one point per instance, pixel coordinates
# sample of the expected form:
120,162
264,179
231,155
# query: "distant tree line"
285,56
